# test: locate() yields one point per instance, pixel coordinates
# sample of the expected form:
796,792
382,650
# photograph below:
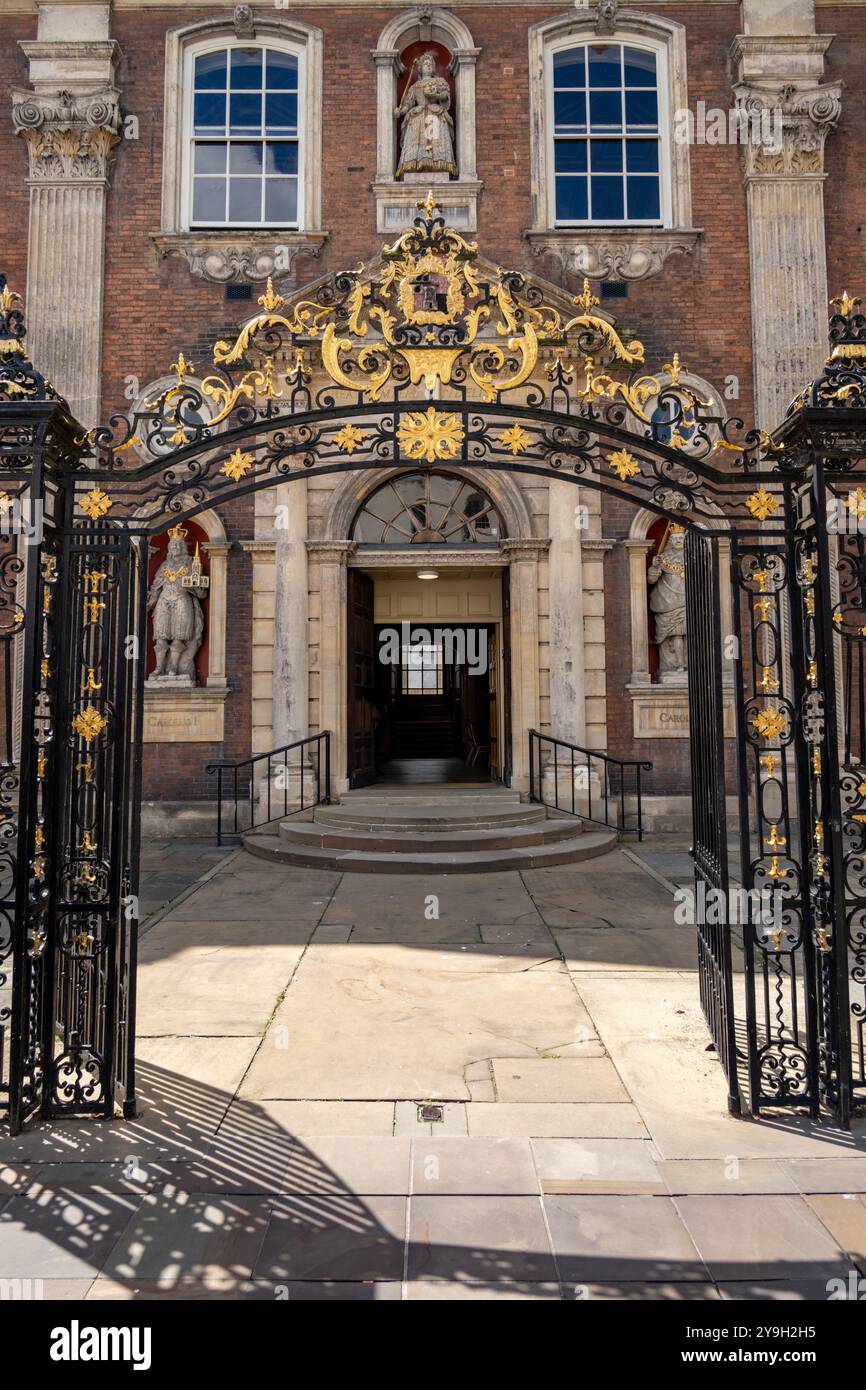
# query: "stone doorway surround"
300,557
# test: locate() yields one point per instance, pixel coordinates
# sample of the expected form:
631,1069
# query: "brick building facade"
732,268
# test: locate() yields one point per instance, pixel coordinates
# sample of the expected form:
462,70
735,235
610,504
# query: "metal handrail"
575,766
320,764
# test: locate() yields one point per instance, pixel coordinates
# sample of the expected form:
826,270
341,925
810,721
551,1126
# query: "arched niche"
197,714
402,37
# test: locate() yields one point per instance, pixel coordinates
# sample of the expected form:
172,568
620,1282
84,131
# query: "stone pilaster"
69,122
786,113
523,557
291,616
332,558
567,680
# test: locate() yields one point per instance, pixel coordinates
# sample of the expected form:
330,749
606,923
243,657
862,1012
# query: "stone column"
69,121
786,113
291,615
332,558
637,553
463,66
567,672
218,553
387,66
523,556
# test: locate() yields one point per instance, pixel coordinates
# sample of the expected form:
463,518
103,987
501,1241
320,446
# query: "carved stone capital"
69,135
610,254
222,257
784,127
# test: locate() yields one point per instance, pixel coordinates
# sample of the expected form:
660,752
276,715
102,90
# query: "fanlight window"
428,509
245,138
606,134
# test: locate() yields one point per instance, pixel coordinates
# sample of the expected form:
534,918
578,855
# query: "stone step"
583,844
440,841
469,817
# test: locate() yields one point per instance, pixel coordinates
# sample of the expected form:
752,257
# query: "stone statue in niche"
174,600
427,129
666,577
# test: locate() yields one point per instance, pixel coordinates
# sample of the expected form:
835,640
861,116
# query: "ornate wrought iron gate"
427,358
709,819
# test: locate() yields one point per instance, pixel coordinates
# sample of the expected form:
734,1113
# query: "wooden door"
505,751
362,680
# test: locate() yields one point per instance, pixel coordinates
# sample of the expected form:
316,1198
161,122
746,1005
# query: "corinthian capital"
68,134
784,126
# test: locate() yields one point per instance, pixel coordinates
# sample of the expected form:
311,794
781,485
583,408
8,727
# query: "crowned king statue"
174,600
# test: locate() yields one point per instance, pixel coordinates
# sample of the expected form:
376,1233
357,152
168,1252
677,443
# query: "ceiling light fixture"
428,574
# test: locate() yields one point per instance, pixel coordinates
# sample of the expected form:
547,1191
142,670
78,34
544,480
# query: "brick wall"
699,305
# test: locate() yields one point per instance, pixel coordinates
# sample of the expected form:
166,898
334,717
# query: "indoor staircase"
474,829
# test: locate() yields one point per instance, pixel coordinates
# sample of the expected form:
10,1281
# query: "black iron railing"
268,786
587,783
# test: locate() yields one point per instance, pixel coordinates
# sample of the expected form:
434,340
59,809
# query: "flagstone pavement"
293,1024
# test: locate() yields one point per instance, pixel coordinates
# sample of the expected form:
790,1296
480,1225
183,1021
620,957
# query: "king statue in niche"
666,577
427,134
178,617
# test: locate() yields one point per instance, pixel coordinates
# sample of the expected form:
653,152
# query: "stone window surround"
393,196
615,251
235,253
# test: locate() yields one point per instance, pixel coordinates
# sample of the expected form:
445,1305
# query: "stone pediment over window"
613,253
224,257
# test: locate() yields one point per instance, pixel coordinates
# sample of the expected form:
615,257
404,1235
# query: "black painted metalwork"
272,786
430,362
710,834
588,783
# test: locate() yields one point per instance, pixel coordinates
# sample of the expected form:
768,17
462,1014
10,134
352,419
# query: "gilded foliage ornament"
95,503
430,435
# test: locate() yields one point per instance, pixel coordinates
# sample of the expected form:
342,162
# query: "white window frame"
634,29
188,41
664,129
218,45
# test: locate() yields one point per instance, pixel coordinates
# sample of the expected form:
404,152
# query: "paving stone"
402,1022
299,1118
199,985
67,1234
401,900
452,1291
575,1079
828,1174
453,1166
587,1120
255,1290
479,1239
766,1237
313,1238
693,1292
620,950
775,1291
598,1165
629,1239
358,1166
723,1176
190,1237
845,1219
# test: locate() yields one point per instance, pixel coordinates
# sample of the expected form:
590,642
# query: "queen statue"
427,135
